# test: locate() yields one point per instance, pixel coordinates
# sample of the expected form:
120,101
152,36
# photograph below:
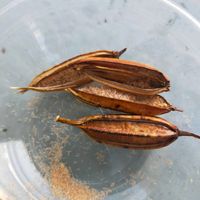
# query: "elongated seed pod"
135,132
126,75
65,74
111,98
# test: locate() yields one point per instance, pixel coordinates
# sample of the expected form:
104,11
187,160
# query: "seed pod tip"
67,121
185,133
20,90
177,109
57,118
122,51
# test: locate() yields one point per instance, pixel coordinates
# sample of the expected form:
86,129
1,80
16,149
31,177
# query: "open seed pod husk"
108,97
65,74
129,131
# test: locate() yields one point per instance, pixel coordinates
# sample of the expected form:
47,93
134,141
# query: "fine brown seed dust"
116,94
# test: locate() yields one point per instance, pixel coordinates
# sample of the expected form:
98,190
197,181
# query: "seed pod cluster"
101,79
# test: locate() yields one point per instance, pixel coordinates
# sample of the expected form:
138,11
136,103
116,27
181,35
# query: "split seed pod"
128,76
135,132
111,98
65,74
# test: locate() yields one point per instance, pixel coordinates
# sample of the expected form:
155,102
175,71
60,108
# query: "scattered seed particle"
3,50
4,129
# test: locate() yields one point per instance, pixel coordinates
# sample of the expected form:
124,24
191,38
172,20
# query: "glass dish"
42,159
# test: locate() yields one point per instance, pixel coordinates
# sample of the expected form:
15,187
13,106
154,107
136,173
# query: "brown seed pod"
135,132
111,98
65,74
128,76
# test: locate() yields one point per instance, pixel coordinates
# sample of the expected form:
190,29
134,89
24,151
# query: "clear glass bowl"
42,159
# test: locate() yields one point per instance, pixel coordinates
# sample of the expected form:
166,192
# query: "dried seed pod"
65,74
125,75
111,98
136,132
